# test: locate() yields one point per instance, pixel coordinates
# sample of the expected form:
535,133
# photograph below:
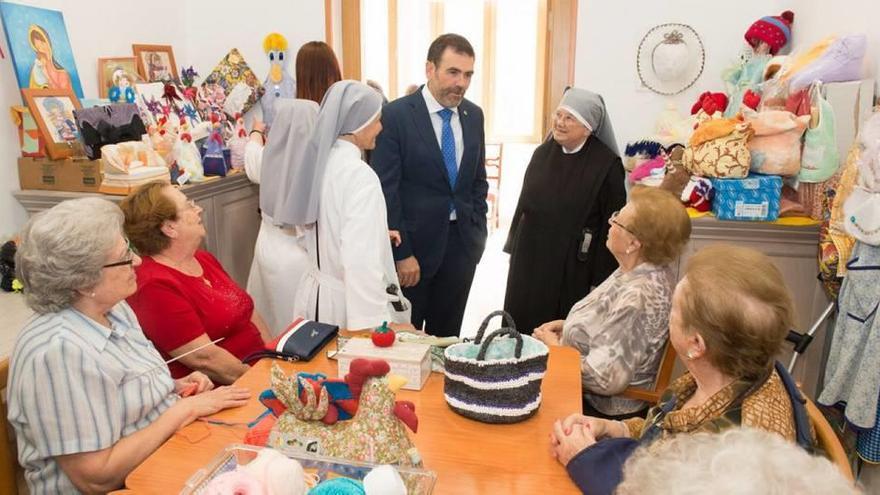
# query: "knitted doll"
766,37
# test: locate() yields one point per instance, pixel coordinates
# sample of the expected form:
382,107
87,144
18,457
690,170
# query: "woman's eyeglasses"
128,261
612,220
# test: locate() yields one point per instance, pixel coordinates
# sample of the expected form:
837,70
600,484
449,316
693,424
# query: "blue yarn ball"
338,486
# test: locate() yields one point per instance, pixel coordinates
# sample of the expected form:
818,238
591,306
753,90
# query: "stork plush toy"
279,83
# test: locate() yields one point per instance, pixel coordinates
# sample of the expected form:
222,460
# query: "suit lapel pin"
464,112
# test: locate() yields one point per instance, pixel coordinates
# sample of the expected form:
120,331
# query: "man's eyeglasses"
128,261
612,219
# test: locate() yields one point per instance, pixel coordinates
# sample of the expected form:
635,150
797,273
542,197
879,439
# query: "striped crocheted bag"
496,380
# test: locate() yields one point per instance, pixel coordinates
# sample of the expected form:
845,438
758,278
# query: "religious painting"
155,63
40,48
53,111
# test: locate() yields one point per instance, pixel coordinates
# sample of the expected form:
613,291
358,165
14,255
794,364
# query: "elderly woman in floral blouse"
730,315
621,327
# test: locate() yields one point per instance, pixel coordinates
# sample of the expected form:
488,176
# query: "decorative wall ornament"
670,58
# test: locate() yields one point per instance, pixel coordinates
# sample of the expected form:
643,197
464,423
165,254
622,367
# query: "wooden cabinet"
231,216
794,250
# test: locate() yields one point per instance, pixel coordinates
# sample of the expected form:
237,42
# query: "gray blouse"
620,329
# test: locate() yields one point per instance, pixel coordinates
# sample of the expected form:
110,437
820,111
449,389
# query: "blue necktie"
447,146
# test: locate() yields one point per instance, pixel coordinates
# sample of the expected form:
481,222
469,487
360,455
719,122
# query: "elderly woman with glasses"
185,300
89,396
621,327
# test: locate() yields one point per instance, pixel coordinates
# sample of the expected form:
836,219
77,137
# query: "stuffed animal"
279,83
376,431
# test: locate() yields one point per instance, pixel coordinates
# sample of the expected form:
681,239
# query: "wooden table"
468,456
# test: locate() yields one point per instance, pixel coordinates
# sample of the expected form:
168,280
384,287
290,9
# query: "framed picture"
53,111
117,71
40,49
155,63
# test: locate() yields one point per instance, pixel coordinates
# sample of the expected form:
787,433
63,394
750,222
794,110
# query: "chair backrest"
828,440
664,376
8,456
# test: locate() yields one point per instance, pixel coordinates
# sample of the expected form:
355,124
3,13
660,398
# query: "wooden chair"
828,440
8,456
494,153
664,374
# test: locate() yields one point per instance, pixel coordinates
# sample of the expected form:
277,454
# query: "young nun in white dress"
338,199
280,258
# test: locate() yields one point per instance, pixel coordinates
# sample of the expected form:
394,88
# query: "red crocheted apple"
382,336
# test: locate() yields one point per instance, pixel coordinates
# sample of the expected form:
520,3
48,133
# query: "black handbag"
108,124
300,341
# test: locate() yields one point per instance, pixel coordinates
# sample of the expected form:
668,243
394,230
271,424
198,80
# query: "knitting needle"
187,353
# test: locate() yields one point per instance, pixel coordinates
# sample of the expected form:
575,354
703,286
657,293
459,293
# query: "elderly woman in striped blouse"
89,396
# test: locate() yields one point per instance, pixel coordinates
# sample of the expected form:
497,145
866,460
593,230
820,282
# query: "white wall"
200,32
214,29
609,34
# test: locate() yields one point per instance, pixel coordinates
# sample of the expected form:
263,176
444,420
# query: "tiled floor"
487,291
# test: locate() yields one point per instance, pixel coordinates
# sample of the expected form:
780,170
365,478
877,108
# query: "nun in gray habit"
573,184
280,259
336,198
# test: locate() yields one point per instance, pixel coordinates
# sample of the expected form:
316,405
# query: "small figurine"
279,83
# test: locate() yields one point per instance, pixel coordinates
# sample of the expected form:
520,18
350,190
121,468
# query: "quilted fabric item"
375,434
239,84
776,146
725,156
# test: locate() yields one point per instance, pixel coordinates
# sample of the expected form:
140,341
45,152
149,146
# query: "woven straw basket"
496,380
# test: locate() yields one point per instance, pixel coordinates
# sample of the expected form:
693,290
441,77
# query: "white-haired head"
739,461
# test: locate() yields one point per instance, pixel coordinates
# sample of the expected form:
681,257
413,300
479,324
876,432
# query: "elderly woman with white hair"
337,198
739,460
557,240
89,396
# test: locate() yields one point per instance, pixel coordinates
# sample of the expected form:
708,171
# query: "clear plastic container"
418,481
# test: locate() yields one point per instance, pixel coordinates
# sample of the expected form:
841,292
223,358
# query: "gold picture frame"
155,63
107,69
52,110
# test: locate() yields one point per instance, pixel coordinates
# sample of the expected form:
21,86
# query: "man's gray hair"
736,461
63,249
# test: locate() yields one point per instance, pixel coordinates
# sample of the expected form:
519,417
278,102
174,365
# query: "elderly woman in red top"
185,299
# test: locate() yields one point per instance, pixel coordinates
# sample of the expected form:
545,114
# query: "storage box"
409,360
71,174
417,481
755,197
29,138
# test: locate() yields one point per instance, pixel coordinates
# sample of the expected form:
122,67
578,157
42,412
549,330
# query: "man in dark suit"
430,159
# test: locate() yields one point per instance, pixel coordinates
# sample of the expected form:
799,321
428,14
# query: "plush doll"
237,143
698,194
187,158
8,281
709,103
765,37
279,83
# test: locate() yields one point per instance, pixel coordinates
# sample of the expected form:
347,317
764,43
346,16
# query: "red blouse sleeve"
166,316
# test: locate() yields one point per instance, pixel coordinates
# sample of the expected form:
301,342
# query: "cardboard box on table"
755,197
407,359
71,174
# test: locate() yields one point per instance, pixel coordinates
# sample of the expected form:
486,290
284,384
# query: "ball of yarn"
279,474
285,477
384,480
235,483
338,486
